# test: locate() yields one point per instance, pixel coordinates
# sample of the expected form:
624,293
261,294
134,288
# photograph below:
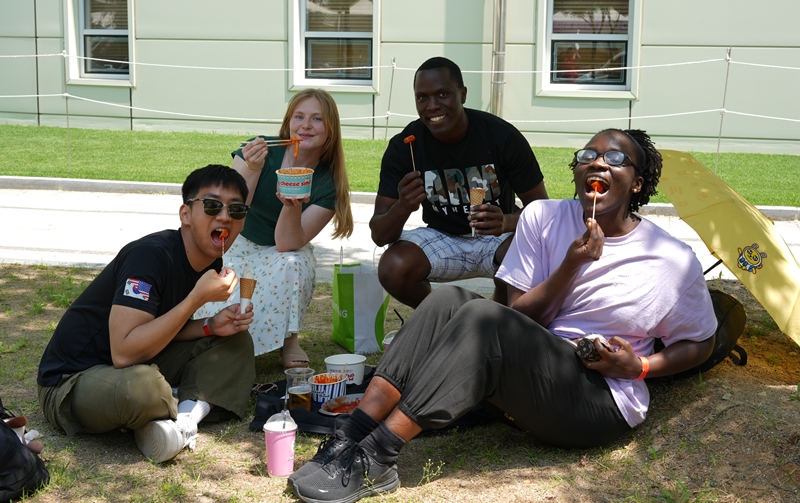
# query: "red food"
409,139
326,378
223,234
296,141
346,408
596,186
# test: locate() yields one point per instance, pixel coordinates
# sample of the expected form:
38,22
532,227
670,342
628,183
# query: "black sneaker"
353,475
327,451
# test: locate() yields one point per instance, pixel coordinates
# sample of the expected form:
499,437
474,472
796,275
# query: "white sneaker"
163,439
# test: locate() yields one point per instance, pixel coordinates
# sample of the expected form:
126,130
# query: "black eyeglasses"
612,157
212,207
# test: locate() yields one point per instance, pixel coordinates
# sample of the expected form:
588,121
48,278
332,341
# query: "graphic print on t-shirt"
137,289
450,193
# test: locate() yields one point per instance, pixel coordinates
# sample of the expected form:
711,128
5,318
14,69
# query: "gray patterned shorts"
456,257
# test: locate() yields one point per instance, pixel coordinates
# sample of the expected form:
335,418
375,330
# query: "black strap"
739,359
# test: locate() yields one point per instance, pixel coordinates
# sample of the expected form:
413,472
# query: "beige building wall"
258,35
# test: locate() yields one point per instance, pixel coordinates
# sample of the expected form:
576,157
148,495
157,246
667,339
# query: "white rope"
403,115
763,116
197,116
619,118
368,117
32,95
392,66
613,69
188,67
765,66
28,55
389,113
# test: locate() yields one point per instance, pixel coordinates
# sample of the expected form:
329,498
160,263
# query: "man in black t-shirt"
434,163
127,343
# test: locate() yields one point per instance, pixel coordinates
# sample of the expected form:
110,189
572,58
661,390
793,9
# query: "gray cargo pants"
218,370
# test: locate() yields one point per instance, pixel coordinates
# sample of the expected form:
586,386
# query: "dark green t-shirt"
259,227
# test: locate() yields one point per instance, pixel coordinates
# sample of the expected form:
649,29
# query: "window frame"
74,21
297,50
544,88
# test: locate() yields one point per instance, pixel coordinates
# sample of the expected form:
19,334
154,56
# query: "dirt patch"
731,435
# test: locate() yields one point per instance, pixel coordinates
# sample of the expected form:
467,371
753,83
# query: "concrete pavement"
84,223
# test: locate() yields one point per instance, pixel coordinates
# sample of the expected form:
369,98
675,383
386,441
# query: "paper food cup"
295,182
321,393
353,366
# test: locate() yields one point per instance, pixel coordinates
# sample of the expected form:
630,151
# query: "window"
104,36
335,42
588,45
98,43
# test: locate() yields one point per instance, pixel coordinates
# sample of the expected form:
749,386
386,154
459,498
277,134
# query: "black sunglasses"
612,157
212,207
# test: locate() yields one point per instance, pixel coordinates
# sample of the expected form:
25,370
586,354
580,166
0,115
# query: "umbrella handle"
718,262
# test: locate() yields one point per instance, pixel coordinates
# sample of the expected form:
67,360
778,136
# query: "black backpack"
21,471
731,319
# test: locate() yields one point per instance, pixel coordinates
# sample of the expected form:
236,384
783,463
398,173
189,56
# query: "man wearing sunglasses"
127,347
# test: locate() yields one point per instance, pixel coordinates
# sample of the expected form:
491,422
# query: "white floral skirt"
285,286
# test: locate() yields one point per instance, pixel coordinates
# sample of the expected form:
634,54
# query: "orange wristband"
645,368
206,330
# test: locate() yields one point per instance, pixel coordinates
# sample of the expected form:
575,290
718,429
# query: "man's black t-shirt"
493,154
152,274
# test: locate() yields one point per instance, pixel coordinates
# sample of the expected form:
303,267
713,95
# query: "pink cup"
280,437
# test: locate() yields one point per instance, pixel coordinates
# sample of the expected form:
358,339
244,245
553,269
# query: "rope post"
389,105
66,101
722,113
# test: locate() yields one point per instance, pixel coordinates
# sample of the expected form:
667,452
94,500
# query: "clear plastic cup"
298,387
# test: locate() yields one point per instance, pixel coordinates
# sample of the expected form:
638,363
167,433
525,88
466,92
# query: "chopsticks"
281,143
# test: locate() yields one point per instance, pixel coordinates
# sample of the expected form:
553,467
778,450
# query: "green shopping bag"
359,308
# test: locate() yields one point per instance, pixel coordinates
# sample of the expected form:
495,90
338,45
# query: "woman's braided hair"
648,166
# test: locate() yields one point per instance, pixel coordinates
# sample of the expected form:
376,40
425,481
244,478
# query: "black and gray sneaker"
327,451
353,475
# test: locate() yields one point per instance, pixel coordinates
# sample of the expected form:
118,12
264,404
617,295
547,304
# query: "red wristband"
645,368
206,330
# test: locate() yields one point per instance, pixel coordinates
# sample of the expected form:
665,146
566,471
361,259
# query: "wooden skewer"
223,235
595,204
410,140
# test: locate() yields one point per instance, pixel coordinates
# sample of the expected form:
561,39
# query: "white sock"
195,410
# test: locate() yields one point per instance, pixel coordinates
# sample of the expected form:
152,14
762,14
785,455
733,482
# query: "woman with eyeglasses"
569,275
275,243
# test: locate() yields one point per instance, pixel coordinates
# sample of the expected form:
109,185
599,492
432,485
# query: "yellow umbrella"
737,233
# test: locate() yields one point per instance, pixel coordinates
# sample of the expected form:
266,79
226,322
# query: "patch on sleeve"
137,289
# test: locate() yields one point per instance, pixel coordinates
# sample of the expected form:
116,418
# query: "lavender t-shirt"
645,285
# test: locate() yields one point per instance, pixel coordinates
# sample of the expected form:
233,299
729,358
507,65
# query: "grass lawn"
729,435
168,157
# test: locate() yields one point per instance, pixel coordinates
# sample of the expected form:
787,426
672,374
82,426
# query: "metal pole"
498,57
66,98
389,106
722,114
